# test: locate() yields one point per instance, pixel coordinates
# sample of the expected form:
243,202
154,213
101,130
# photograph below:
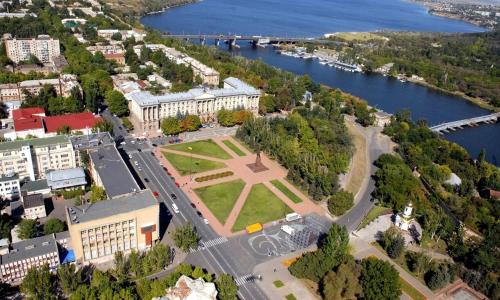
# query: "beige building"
148,110
126,223
34,207
16,91
24,255
30,159
106,49
43,47
125,34
208,75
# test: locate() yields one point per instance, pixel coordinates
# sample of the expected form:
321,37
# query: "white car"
136,163
205,221
176,209
123,143
130,156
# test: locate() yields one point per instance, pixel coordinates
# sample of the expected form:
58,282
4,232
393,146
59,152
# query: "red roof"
75,121
28,118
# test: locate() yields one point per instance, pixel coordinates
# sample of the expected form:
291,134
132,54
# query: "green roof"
58,139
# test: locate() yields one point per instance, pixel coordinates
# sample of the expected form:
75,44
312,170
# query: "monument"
257,166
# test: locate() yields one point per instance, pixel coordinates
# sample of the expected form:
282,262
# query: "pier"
471,122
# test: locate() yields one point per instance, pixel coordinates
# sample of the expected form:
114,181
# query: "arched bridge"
446,127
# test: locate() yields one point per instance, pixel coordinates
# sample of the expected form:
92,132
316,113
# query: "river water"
315,17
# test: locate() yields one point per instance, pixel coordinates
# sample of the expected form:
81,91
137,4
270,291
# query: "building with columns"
148,110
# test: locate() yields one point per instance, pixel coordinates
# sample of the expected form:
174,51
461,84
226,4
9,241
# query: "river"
315,17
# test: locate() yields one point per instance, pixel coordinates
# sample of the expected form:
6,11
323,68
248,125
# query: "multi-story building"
148,110
126,223
34,206
9,186
109,171
106,49
67,178
24,255
43,47
207,75
125,34
30,159
17,91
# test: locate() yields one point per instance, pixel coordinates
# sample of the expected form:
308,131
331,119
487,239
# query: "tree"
379,280
396,247
226,287
69,280
185,237
27,229
418,262
225,118
6,225
53,226
103,126
340,202
97,194
63,130
438,277
38,284
344,283
170,126
116,36
190,123
121,265
197,273
117,103
91,94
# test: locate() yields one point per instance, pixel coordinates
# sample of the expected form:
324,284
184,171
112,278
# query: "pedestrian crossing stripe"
244,279
211,243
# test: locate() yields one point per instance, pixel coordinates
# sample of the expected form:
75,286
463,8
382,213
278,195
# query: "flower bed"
214,176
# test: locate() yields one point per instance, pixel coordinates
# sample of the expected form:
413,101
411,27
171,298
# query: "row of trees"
176,125
230,118
28,229
342,277
91,283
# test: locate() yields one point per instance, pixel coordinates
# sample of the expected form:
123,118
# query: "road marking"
211,243
244,279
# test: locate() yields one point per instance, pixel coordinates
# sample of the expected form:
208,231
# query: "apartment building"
106,49
125,34
208,75
9,186
34,207
43,47
30,159
148,110
126,223
24,255
17,91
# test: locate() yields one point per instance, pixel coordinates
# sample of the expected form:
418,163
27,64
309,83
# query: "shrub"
214,176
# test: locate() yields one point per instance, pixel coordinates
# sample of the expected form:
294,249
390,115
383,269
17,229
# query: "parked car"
205,221
156,194
173,196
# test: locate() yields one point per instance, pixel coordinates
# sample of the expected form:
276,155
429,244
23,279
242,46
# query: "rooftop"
107,208
91,140
9,177
75,121
41,142
35,200
36,185
67,174
115,175
28,118
30,248
238,87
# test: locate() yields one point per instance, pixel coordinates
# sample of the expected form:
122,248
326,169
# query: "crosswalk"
244,279
211,243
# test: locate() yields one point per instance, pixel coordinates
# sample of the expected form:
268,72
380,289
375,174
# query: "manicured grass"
234,148
261,206
187,165
280,186
410,290
278,283
374,213
220,198
290,297
205,147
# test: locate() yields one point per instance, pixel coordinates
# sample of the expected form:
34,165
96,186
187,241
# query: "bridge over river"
446,127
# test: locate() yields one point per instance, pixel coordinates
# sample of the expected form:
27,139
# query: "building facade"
9,186
125,34
30,159
34,207
17,91
24,255
43,47
130,222
148,110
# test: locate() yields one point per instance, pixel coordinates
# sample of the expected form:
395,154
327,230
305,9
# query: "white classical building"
148,110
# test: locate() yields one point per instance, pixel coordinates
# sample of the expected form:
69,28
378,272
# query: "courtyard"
217,175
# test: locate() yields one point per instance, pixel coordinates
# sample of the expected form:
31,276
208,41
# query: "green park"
204,147
220,198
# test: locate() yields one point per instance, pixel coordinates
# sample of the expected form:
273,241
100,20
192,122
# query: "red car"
177,184
156,194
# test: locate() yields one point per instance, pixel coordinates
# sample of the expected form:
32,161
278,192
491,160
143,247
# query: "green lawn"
205,147
261,206
278,283
374,213
280,186
220,198
234,148
290,297
187,165
410,290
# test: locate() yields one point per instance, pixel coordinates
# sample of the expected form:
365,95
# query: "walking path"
363,249
238,165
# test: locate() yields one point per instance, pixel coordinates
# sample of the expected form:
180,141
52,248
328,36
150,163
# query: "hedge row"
214,176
